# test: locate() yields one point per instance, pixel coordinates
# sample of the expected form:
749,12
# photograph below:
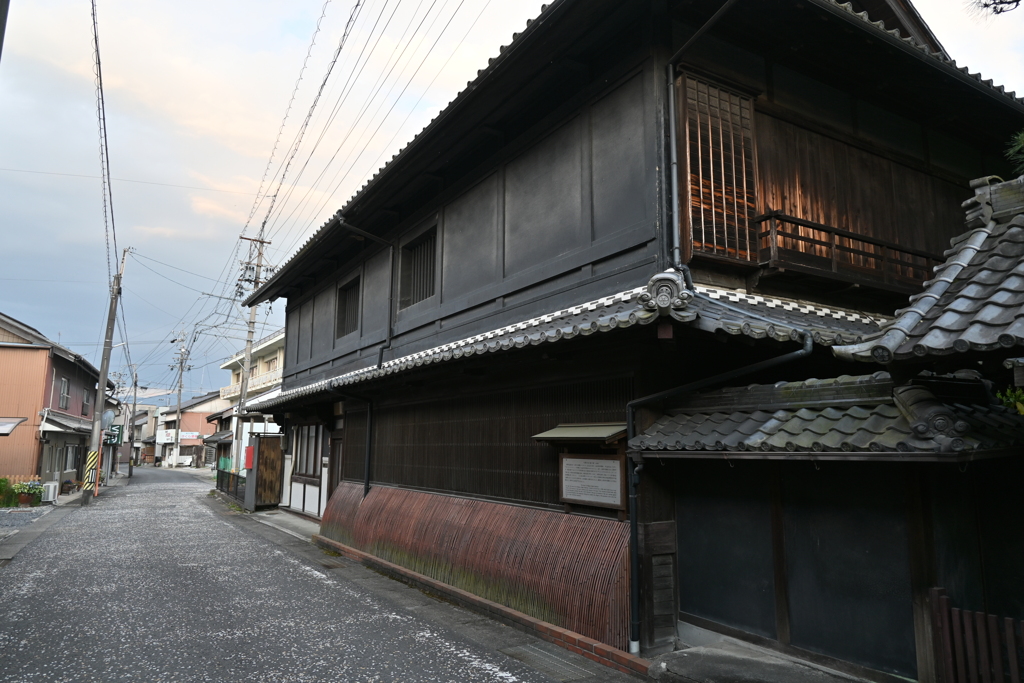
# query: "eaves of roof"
920,50
709,309
522,40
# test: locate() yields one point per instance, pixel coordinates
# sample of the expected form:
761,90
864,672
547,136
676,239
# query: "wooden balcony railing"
805,246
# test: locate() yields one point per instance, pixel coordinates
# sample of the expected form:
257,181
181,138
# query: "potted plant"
29,492
67,486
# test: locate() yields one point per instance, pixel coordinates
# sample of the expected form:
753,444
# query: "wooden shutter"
720,179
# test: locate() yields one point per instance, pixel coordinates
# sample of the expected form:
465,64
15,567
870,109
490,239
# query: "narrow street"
159,581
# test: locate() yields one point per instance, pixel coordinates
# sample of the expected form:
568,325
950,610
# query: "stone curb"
574,642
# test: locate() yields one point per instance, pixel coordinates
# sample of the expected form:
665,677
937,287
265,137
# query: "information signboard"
597,480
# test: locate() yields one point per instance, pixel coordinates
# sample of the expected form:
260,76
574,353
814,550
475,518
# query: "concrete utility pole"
182,357
131,428
96,439
180,366
247,359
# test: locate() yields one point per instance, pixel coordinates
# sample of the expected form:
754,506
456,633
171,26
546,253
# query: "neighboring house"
823,514
193,429
52,391
144,426
464,337
266,363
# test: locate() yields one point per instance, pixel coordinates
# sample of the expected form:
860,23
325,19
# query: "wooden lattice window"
718,140
417,279
346,319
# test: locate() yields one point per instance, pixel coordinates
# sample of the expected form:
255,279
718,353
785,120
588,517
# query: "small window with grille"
347,319
86,401
418,268
718,144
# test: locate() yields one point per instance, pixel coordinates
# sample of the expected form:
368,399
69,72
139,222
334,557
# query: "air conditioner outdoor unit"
50,489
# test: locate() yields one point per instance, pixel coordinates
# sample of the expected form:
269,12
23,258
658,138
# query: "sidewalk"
64,505
482,628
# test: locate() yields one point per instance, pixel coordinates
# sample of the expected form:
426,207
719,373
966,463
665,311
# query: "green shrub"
8,498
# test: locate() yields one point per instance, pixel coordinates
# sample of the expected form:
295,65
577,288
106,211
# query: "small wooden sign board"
598,480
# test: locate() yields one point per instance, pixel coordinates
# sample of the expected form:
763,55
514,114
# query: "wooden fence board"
972,647
1011,650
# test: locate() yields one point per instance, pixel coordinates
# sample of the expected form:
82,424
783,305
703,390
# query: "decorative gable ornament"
667,295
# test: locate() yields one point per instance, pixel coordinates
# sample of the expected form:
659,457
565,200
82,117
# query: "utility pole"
247,359
96,439
131,428
182,358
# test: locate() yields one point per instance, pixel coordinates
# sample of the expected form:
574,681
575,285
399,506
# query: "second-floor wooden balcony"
256,383
814,248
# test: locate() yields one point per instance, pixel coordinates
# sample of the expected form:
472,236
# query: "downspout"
634,480
678,265
391,306
369,448
677,260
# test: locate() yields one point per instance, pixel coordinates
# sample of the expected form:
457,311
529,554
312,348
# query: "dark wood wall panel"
323,322
470,241
291,337
482,444
305,331
818,178
543,200
354,448
617,140
375,292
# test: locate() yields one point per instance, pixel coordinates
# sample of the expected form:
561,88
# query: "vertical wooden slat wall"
812,176
480,444
568,570
973,647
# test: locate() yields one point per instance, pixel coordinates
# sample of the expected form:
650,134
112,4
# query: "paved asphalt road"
157,581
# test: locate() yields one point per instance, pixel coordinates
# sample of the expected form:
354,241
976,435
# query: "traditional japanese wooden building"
632,197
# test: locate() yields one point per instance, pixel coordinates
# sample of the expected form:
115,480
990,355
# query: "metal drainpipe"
391,307
634,480
677,261
369,448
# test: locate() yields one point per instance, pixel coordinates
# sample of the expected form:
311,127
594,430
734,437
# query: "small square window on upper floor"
346,319
418,269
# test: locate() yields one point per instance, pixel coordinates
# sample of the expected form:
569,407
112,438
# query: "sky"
195,96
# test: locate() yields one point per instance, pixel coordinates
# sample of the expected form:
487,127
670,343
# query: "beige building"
264,372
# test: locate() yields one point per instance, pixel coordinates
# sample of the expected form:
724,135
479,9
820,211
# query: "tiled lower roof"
709,308
975,301
901,421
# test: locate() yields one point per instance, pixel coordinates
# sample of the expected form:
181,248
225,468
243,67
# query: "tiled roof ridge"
664,295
